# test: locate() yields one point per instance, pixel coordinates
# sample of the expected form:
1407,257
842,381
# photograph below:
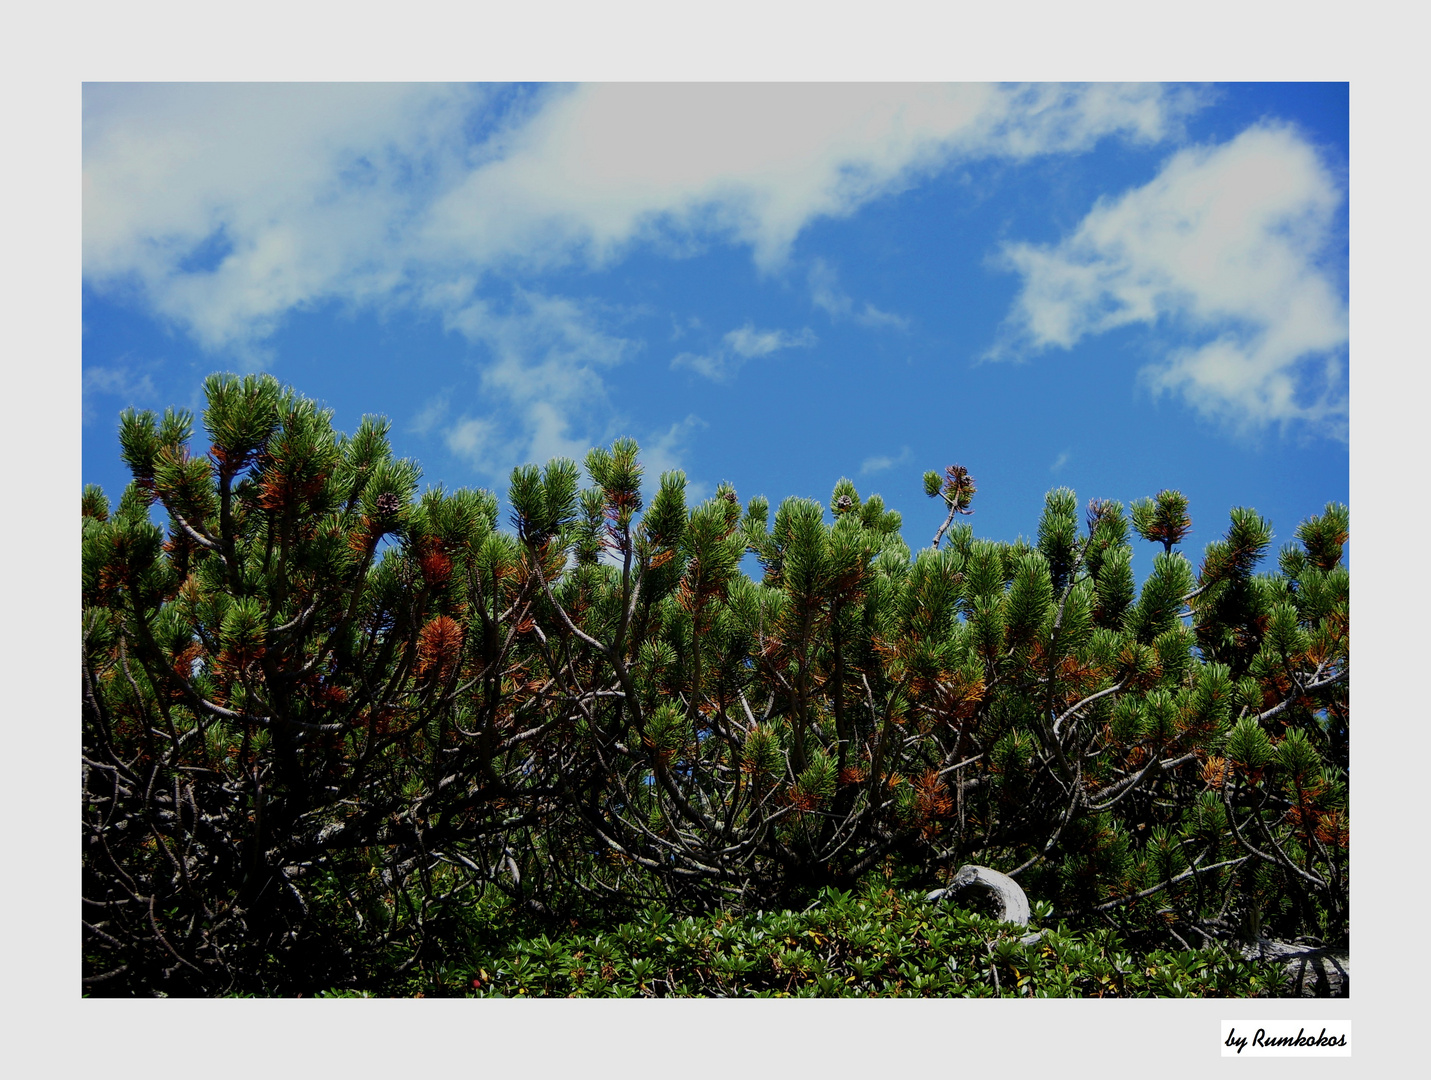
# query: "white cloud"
748,343
431,416
286,194
882,462
663,452
543,379
222,208
740,345
129,386
1060,461
225,206
472,438
603,165
712,367
826,294
545,355
1226,247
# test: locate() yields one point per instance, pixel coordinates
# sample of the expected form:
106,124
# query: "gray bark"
1307,971
1013,904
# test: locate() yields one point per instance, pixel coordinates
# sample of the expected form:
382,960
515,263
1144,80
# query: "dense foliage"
887,946
885,943
324,714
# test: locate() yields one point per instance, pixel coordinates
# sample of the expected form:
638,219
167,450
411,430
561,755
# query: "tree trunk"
1013,904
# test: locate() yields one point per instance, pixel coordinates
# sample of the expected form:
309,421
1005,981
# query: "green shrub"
882,944
325,713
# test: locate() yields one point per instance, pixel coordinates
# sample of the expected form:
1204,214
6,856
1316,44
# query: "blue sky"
1114,288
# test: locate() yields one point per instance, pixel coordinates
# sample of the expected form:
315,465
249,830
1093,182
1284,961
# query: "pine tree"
324,713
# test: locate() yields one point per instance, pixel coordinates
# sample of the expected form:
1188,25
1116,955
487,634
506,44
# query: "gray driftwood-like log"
1013,904
1308,970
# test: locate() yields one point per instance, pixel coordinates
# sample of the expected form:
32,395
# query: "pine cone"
843,503
388,504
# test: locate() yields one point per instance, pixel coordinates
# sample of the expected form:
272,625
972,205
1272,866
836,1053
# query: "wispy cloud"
826,294
478,441
883,462
601,166
1228,247
227,206
223,208
432,415
740,345
129,386
1059,462
543,372
664,451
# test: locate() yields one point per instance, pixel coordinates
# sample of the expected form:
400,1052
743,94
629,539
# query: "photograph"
716,539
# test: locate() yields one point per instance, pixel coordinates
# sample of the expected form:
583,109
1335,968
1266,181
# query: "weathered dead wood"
1308,970
1013,904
